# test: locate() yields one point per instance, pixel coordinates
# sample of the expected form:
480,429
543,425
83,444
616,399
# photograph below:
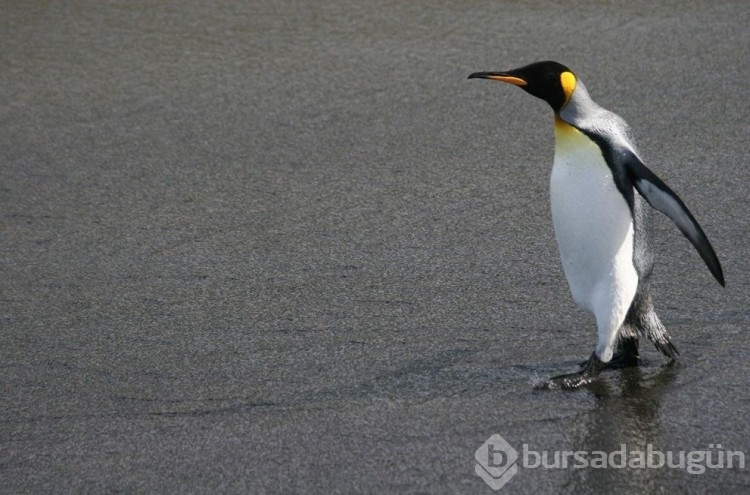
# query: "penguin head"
550,81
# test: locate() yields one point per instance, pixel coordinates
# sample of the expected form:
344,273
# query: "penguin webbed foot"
588,373
626,354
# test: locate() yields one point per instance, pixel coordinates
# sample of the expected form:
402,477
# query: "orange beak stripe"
508,79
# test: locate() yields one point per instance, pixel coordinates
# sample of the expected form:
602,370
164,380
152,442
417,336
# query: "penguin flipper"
662,198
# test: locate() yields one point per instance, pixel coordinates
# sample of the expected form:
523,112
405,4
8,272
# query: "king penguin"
599,191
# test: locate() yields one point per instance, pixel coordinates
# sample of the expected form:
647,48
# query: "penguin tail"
667,347
643,320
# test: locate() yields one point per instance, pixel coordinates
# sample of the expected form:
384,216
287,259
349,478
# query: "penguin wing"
662,198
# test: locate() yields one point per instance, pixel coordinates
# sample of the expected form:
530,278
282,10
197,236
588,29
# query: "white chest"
593,223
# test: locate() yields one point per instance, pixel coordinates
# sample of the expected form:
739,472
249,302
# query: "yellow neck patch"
562,128
568,82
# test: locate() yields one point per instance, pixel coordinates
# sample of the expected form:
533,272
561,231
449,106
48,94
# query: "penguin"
600,193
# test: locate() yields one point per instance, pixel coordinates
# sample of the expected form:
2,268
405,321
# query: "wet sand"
282,247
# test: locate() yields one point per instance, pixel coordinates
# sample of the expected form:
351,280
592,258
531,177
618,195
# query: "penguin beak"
499,76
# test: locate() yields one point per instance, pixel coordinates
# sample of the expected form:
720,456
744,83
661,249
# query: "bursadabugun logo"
497,460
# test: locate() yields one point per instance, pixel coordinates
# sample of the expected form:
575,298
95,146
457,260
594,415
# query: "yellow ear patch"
568,82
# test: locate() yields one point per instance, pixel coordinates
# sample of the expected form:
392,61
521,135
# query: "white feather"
594,230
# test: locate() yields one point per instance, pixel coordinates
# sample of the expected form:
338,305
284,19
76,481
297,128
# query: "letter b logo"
496,462
496,458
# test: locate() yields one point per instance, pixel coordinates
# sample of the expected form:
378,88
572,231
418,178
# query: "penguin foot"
565,382
626,354
586,375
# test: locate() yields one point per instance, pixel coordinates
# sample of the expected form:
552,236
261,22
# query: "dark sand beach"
287,247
